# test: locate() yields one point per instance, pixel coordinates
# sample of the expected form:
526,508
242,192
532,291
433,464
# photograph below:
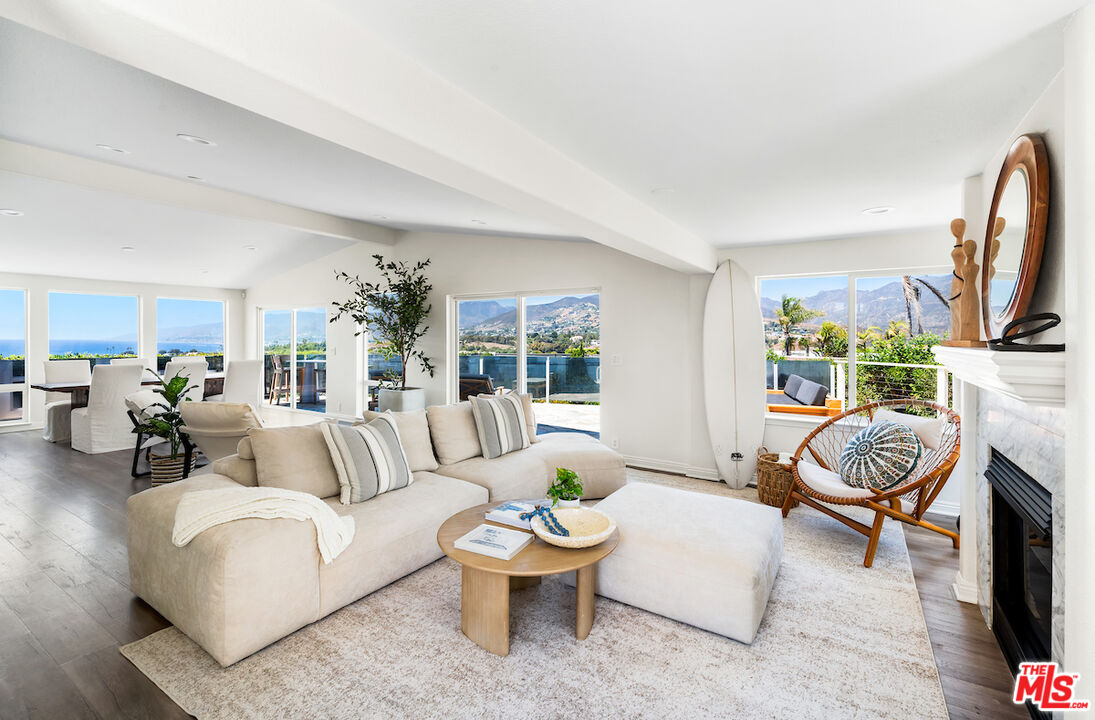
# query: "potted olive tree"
163,419
394,312
566,491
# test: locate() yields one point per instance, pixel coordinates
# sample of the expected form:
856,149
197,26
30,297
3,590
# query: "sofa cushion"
244,448
519,475
452,429
294,458
601,469
828,482
396,535
530,413
880,456
792,385
414,433
810,393
369,459
500,422
238,468
929,430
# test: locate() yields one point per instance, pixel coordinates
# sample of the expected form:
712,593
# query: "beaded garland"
549,519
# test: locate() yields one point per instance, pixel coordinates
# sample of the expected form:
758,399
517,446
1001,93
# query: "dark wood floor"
65,604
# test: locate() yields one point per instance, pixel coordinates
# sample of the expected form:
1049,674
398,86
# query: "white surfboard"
733,373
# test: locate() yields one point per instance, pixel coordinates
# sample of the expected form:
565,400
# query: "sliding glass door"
546,345
13,354
294,347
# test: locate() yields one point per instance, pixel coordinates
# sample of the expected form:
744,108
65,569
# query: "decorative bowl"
588,527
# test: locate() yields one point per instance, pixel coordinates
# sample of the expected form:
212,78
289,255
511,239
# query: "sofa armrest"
236,587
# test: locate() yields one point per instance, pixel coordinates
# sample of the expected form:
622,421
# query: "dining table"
78,391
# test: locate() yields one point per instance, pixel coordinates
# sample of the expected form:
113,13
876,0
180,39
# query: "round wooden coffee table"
487,581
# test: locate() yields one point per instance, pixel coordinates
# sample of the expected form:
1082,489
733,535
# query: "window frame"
224,321
141,344
853,277
452,352
261,334
23,387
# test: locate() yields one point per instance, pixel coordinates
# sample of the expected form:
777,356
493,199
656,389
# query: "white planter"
402,400
569,503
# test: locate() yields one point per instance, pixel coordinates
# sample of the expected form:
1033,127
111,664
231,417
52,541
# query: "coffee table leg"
484,609
584,585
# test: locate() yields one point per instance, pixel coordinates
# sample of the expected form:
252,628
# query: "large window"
559,363
295,349
897,319
13,353
98,327
190,327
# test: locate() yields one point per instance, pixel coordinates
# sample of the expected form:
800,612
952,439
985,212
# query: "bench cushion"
701,559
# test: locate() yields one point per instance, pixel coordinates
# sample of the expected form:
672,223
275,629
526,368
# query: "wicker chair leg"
872,539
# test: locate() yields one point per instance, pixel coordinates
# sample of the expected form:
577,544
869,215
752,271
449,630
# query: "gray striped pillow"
501,424
368,459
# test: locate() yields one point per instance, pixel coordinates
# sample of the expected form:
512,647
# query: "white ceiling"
765,121
65,98
74,231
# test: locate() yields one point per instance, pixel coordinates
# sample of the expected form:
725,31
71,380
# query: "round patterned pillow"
880,456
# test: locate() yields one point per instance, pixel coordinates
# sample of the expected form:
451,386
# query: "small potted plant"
394,312
163,419
566,491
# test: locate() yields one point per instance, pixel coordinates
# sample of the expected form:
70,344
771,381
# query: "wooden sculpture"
965,306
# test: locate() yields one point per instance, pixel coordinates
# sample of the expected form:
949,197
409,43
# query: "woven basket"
774,479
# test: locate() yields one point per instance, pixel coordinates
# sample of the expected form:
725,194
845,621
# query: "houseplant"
566,491
394,311
163,419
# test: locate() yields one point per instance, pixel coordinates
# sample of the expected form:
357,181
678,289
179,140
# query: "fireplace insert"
1022,564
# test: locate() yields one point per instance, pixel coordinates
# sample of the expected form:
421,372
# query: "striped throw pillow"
368,459
501,424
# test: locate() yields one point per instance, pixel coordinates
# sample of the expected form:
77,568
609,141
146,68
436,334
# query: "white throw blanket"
203,509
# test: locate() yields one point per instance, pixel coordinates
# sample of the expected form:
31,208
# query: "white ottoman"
702,559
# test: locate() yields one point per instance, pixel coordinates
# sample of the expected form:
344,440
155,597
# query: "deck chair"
818,485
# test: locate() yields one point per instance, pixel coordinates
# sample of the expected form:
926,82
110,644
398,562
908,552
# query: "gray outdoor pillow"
791,386
810,393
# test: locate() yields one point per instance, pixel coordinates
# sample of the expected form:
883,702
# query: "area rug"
838,640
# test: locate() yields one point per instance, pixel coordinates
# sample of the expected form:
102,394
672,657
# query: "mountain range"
568,315
874,308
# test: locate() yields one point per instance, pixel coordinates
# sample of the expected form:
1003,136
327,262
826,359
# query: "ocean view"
102,347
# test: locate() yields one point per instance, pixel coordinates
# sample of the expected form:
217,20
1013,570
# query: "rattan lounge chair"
908,502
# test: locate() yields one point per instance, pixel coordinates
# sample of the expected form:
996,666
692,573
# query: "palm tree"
866,337
896,329
792,312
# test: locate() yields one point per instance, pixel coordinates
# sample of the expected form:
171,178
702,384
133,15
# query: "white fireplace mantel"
1032,377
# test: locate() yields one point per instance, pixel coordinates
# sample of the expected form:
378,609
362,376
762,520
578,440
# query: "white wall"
650,316
926,249
38,288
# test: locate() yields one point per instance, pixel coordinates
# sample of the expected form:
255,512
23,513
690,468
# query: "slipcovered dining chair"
819,485
242,383
103,426
194,368
59,405
135,361
216,428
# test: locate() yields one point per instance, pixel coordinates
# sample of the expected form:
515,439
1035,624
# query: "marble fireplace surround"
1014,402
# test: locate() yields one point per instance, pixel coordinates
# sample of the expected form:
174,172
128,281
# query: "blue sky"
92,317
12,324
776,288
184,313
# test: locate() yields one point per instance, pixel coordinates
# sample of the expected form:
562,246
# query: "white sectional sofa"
240,586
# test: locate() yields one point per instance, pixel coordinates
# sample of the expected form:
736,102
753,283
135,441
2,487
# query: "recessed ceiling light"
881,210
249,247
194,139
195,178
479,222
11,212
382,217
111,148
663,191
205,272
128,248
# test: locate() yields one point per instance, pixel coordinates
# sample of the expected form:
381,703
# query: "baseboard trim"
693,471
946,508
964,590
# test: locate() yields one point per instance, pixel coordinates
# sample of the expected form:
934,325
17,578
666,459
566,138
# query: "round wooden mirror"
1012,252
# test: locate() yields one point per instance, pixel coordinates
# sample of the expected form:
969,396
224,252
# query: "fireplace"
1022,562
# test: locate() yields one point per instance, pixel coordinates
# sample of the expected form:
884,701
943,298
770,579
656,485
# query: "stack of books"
501,543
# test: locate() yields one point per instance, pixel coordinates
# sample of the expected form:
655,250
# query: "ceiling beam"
309,66
98,175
